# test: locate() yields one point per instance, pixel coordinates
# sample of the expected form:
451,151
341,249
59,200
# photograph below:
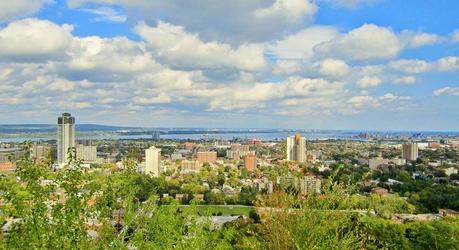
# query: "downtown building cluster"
161,157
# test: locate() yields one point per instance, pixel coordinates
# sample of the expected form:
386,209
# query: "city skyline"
299,64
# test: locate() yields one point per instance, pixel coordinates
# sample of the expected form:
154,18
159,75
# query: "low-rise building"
7,158
451,170
311,184
191,166
434,145
238,151
189,145
254,142
40,151
375,163
398,161
176,156
7,166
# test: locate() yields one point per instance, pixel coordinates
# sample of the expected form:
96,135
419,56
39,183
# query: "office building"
238,151
86,154
84,142
296,148
239,147
191,166
410,151
398,161
176,156
40,151
250,162
375,163
189,145
7,158
220,143
311,184
65,137
434,145
7,166
153,161
317,154
236,155
208,156
254,141
156,135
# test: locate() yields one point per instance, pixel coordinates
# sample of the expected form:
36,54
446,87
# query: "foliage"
384,234
429,196
52,214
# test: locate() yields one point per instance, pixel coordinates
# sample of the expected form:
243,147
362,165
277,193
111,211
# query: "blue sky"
331,64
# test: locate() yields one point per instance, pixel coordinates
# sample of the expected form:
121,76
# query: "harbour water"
265,136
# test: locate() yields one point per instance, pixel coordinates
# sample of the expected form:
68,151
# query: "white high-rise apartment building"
65,137
296,148
410,151
153,161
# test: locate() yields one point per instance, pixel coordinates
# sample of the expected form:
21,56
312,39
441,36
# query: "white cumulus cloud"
235,21
419,39
453,91
368,42
369,81
181,49
300,45
405,80
351,4
14,9
449,63
333,68
34,40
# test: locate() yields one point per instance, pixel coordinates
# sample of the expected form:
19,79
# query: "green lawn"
223,209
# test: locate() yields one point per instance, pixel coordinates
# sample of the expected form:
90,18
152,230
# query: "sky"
304,64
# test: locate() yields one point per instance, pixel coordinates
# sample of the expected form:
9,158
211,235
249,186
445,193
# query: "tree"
216,198
48,219
247,195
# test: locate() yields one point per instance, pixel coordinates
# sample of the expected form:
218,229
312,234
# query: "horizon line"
240,128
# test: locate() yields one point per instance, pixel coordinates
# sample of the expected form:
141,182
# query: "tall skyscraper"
296,148
153,161
410,151
65,137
